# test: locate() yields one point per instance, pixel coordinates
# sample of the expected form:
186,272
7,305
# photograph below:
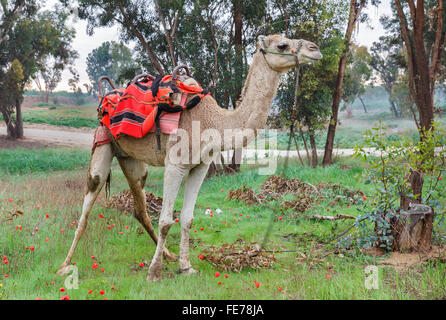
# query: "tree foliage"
33,38
110,59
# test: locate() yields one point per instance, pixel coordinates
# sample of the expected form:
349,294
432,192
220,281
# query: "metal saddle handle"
144,75
100,84
178,68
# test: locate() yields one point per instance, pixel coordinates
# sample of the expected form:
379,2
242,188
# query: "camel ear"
264,42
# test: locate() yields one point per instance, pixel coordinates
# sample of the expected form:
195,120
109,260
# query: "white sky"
84,44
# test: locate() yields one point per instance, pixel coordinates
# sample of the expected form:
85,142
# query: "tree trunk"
298,150
418,63
314,159
394,109
413,229
19,121
363,104
14,128
355,11
305,146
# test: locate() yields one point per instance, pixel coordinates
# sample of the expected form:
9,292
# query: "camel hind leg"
98,172
136,173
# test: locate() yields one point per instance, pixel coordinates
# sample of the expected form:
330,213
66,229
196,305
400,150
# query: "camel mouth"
313,59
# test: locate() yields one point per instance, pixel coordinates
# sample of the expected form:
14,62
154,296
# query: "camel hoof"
188,271
64,270
170,256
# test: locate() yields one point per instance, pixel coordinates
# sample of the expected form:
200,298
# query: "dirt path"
83,138
55,135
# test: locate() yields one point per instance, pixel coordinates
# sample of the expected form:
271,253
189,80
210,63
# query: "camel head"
283,54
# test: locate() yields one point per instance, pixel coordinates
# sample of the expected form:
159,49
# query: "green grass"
59,194
25,161
70,116
77,117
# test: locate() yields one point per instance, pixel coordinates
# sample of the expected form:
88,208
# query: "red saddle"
136,110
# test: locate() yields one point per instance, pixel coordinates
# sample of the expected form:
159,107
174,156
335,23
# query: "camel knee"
186,223
93,182
164,227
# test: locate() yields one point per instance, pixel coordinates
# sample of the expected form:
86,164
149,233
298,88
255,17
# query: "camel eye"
282,47
313,48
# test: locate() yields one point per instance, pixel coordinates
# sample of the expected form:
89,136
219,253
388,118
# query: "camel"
275,56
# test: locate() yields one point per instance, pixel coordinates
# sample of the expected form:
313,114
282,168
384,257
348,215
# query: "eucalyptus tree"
32,38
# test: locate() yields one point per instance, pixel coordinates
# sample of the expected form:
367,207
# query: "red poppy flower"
109,227
141,264
113,287
328,276
440,178
257,284
36,229
102,292
226,276
176,220
101,216
280,218
65,298
95,265
364,198
37,207
102,269
219,282
10,200
90,292
47,239
201,228
126,227
47,216
18,227
62,290
92,257
31,248
6,276
201,257
5,261
217,274
280,289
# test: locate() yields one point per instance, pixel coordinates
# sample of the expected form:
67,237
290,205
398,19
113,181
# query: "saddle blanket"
137,109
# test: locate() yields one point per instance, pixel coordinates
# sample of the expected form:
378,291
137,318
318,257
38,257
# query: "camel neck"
257,95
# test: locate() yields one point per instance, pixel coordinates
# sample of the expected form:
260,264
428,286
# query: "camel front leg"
173,176
98,173
136,173
193,185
